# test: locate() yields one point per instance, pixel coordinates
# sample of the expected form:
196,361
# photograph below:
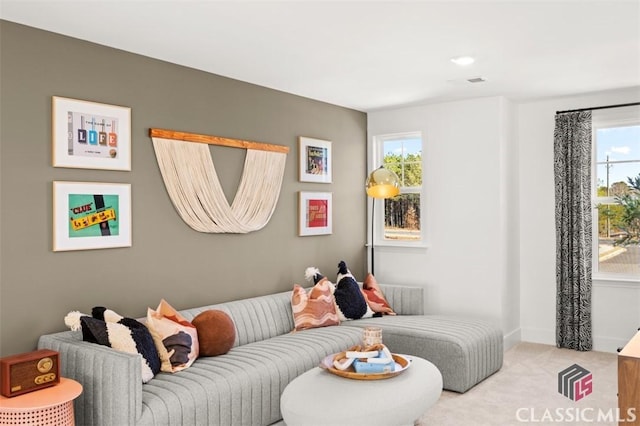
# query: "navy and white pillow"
350,302
107,328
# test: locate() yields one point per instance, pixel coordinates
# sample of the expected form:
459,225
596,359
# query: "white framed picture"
315,213
90,135
315,160
91,215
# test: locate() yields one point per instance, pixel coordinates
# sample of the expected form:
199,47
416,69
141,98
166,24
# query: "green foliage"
634,183
627,219
403,211
408,169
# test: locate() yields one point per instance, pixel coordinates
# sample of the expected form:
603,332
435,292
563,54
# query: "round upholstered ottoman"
319,397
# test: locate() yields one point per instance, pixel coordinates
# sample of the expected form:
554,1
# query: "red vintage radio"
29,371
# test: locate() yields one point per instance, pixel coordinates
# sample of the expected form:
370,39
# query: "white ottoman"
319,397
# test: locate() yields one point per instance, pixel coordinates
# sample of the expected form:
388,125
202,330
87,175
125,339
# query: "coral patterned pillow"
315,309
375,297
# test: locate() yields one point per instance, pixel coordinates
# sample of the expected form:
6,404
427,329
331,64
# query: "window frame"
378,226
603,120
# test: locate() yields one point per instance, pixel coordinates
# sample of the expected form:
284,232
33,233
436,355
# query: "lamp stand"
373,210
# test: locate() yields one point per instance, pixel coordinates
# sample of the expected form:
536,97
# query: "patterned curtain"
572,166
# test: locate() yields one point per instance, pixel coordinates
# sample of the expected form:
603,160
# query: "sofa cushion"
256,318
315,309
465,350
176,338
243,386
216,332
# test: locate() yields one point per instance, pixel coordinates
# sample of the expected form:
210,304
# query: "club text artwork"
93,215
317,213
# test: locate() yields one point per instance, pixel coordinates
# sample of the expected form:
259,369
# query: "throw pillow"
216,332
119,333
176,338
315,309
375,298
350,301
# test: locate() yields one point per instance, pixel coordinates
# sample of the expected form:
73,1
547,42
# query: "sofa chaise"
243,386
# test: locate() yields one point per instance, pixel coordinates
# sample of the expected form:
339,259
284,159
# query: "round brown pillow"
216,332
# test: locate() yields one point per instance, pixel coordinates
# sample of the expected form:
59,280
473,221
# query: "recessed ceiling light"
463,60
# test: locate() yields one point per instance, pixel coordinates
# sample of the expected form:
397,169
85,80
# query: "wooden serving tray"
402,363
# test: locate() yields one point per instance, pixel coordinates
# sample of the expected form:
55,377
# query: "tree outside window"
402,214
617,197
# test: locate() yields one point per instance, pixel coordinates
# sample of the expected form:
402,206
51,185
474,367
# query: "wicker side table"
52,406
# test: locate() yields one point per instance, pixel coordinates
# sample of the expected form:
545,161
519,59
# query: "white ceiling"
370,55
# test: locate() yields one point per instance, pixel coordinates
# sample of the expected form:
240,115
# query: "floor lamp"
381,183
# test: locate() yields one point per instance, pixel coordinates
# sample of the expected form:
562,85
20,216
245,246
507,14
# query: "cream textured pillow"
176,338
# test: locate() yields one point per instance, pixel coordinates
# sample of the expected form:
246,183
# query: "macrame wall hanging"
193,186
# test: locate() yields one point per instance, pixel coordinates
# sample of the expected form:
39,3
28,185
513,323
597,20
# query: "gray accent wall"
38,287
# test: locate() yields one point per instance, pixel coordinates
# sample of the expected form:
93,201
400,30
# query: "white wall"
490,218
470,266
616,307
510,222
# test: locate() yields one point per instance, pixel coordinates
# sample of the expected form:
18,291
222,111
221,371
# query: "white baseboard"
538,335
548,337
511,339
608,344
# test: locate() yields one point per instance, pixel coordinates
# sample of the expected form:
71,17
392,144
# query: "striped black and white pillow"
107,328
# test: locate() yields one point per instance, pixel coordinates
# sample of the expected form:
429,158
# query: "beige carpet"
525,391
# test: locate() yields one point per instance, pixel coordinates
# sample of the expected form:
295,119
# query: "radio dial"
45,378
45,365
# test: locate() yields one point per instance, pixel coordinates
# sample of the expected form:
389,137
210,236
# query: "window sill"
420,246
613,281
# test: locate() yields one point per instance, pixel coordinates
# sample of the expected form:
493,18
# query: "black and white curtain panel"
572,167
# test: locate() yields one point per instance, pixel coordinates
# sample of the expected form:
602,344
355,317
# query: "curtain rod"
600,107
216,140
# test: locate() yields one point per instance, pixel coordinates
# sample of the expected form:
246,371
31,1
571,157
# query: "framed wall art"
315,213
315,160
90,135
91,215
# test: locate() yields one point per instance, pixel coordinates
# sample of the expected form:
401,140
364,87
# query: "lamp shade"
382,183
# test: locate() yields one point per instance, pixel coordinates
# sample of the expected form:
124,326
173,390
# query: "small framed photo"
315,160
89,135
315,213
91,215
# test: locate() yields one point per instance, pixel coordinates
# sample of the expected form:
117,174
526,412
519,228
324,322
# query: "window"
616,219
401,217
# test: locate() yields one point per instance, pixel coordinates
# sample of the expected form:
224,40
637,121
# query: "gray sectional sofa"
243,387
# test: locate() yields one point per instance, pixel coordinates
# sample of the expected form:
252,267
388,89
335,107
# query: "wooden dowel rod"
215,140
